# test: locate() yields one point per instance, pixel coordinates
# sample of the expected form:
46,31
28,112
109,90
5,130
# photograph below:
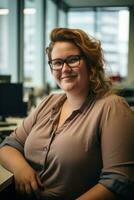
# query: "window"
8,39
111,26
51,22
34,42
4,15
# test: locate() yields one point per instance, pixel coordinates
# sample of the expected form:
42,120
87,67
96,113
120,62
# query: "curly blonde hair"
92,51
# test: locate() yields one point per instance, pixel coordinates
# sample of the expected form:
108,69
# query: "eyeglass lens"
71,61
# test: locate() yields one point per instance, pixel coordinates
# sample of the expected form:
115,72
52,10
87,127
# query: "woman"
77,144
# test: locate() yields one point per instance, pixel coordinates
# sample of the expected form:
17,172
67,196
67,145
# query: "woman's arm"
26,179
117,141
98,192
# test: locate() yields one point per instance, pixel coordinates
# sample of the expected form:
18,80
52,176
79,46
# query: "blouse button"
45,148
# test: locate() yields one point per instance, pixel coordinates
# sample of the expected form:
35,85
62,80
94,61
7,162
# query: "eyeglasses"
71,61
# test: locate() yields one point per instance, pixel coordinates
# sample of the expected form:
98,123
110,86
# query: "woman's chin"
68,88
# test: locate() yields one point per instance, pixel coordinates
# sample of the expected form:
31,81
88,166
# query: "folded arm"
98,192
26,178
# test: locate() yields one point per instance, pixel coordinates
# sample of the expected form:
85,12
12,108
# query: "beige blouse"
95,144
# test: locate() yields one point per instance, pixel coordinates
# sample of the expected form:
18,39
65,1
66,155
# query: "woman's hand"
27,181
26,178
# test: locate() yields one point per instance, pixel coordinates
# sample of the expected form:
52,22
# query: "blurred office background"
25,26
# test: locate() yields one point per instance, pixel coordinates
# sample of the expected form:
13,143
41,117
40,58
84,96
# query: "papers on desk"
6,178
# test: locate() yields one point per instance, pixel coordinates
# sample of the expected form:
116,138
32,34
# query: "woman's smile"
68,77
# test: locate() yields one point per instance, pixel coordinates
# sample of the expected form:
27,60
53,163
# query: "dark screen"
11,99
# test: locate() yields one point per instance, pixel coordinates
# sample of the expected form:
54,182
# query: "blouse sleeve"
117,145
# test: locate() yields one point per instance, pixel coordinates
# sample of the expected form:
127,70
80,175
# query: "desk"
16,120
6,130
6,178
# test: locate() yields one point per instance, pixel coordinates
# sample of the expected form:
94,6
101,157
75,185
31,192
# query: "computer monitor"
11,100
5,78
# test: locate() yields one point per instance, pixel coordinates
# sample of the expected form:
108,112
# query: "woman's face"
69,79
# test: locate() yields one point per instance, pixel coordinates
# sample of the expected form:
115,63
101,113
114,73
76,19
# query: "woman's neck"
75,101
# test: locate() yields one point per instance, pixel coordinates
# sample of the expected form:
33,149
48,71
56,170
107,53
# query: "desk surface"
11,120
8,128
6,178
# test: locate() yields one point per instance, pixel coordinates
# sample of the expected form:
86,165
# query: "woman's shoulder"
113,107
111,97
111,100
51,100
53,97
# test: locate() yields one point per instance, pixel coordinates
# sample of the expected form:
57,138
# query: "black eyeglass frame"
65,61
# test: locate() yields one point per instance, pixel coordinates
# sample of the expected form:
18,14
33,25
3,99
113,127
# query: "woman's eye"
57,63
73,60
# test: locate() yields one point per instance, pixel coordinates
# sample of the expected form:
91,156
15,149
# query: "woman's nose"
66,67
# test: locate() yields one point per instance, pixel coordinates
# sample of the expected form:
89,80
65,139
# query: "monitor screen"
5,78
11,100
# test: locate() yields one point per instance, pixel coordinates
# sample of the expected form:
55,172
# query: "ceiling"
85,3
